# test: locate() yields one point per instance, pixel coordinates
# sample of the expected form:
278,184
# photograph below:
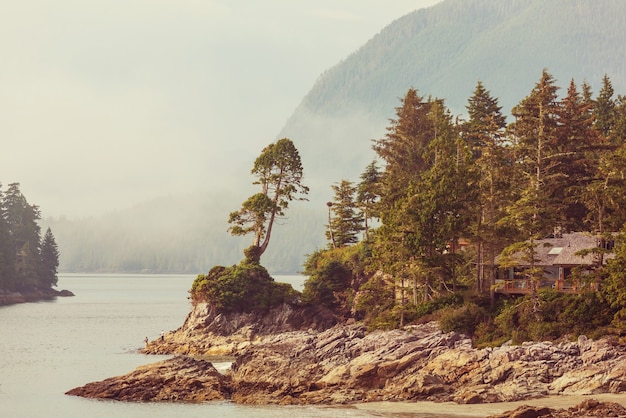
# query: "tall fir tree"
604,194
426,197
404,148
346,222
604,110
534,136
535,213
484,133
576,157
368,194
406,155
49,260
7,250
25,232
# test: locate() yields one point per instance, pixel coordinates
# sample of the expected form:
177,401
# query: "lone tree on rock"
279,173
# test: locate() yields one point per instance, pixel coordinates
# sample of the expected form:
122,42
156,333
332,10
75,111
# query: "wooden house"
558,256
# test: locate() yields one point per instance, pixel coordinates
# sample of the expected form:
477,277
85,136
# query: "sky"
106,104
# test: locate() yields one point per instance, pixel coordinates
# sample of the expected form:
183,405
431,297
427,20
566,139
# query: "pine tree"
22,220
604,194
604,110
404,148
450,192
576,157
368,193
49,260
279,172
347,222
397,247
426,196
535,212
7,250
484,133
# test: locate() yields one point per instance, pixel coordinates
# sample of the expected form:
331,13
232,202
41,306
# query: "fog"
106,104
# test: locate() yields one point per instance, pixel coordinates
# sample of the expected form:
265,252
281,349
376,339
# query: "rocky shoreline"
31,295
293,357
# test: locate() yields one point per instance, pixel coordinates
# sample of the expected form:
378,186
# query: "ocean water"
47,348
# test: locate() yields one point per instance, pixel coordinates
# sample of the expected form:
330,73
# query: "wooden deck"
524,287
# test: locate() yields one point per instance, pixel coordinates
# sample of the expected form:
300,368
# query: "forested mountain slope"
443,51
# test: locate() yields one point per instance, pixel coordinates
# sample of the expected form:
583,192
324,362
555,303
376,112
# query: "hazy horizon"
109,104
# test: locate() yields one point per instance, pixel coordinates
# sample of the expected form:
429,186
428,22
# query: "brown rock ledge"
587,408
279,360
179,379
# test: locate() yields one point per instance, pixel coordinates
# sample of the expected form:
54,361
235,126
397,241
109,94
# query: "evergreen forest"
28,261
442,50
394,254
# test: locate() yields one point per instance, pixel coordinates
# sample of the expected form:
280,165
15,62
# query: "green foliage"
443,302
26,260
252,216
560,315
246,287
346,221
614,287
326,284
375,301
334,275
7,252
278,171
464,319
49,260
368,193
485,136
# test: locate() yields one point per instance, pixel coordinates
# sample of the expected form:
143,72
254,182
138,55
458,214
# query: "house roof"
561,250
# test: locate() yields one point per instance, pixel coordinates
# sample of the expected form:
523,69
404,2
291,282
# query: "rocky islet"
288,356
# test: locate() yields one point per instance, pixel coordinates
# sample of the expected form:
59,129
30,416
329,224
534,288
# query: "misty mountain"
173,234
442,51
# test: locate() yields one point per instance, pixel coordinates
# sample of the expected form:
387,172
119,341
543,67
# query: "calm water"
48,348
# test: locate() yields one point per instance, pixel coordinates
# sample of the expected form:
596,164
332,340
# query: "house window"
607,244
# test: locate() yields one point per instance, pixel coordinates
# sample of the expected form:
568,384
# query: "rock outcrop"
588,408
180,379
346,364
207,332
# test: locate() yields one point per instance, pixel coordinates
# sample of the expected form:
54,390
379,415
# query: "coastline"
454,410
346,365
34,294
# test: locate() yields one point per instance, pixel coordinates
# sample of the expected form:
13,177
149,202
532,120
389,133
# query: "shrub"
245,287
334,277
464,319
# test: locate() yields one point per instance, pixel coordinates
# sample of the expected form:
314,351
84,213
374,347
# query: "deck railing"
526,286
